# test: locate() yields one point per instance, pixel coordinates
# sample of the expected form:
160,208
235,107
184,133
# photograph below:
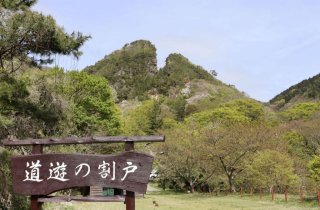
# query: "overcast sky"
260,46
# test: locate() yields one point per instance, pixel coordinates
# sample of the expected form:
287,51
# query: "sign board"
42,174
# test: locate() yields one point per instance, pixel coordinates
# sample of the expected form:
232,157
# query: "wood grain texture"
116,198
82,140
135,182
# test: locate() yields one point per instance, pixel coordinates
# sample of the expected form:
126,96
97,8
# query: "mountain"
132,71
307,90
178,71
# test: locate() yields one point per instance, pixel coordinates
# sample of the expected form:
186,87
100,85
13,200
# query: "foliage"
29,35
307,89
131,70
271,168
177,72
35,105
16,4
234,146
301,111
207,95
93,105
54,103
178,105
16,109
314,168
144,119
249,108
182,164
239,110
169,123
84,103
310,131
8,200
297,144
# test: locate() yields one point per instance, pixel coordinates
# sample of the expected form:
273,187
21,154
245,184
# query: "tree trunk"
164,185
272,192
191,186
286,194
260,194
251,191
241,191
231,185
301,195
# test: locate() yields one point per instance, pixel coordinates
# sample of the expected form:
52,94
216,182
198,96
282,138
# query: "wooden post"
37,149
35,205
241,191
130,196
286,194
251,191
272,193
260,194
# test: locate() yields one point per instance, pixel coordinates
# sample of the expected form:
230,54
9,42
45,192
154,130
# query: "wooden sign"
42,174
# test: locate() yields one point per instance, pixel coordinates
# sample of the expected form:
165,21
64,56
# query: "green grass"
174,201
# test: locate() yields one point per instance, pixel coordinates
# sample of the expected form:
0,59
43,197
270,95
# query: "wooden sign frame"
37,150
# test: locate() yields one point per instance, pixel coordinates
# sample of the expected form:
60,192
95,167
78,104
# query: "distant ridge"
307,90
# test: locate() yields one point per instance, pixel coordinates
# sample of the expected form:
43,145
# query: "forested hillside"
130,70
307,90
300,101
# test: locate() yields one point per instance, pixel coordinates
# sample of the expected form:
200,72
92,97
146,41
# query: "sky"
260,46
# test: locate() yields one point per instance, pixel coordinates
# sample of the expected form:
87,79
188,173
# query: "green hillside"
178,71
307,90
300,101
130,70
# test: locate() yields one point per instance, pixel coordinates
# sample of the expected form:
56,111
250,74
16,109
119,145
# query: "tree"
144,119
29,36
235,145
301,111
91,103
236,111
131,70
213,72
309,130
248,107
182,163
179,108
23,117
16,4
314,168
271,168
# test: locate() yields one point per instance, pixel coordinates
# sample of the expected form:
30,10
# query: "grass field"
173,201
